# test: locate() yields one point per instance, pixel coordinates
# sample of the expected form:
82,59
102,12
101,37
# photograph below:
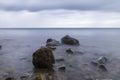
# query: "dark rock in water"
52,42
102,67
100,60
100,63
69,51
43,58
62,67
94,62
10,78
69,40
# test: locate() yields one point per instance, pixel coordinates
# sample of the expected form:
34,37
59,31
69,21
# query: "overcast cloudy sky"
59,13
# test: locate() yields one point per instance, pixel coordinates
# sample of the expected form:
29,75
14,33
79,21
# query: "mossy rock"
43,58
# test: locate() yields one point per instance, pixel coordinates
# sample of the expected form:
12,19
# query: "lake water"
18,46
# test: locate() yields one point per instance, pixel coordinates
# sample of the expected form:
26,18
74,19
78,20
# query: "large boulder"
52,42
69,40
43,58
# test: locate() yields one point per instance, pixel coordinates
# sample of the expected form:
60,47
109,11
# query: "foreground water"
18,46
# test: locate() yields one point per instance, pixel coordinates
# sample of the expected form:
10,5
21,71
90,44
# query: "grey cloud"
37,5
58,18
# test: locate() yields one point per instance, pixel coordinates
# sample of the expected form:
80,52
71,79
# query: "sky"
59,14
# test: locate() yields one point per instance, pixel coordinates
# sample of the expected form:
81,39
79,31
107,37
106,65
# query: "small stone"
69,51
52,42
94,62
100,60
62,67
102,67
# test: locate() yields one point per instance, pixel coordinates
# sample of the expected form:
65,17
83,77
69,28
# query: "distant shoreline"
58,28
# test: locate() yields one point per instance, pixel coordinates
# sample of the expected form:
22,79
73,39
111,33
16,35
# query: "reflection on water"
19,45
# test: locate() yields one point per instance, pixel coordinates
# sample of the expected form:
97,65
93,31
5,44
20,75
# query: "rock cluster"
44,58
100,62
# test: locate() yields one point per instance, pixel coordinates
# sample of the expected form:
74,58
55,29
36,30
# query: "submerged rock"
69,51
43,58
62,67
69,40
102,67
52,42
100,60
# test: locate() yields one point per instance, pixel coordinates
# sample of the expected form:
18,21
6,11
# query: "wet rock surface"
69,51
43,58
52,42
70,40
62,67
100,60
102,67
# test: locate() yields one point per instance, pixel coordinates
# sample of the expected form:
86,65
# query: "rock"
10,78
102,67
100,60
52,42
69,40
69,51
62,67
43,58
